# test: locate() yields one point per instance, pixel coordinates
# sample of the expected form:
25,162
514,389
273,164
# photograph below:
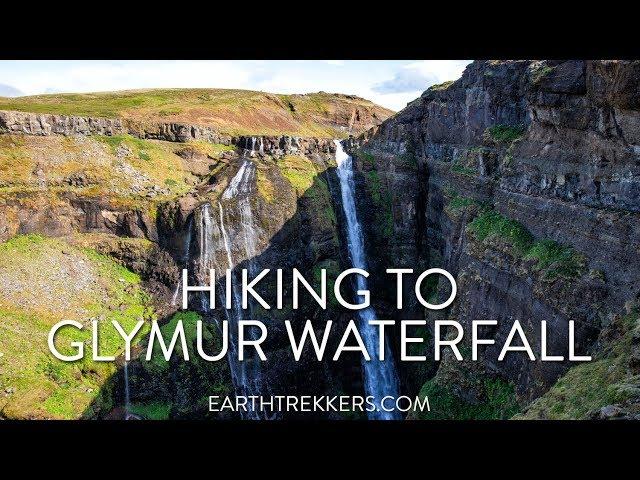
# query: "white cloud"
443,70
9,91
336,63
394,101
92,77
418,76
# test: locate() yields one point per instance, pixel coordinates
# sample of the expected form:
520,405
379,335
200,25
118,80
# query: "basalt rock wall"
522,178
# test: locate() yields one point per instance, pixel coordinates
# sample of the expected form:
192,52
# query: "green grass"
506,133
123,181
457,167
299,171
136,144
587,387
211,149
308,184
265,186
156,160
373,180
539,73
152,411
490,223
551,258
499,402
555,259
232,112
46,387
441,86
367,158
457,203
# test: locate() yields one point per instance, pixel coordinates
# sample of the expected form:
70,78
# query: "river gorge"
521,179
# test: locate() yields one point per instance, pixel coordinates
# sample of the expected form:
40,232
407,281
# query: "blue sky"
389,83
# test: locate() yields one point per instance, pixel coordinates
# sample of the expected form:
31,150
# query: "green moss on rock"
505,133
551,259
588,387
499,402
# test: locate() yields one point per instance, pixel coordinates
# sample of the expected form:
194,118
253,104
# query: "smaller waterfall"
223,246
241,181
250,146
127,393
206,254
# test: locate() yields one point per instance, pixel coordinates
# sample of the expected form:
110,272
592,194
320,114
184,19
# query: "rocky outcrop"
528,191
176,132
47,124
278,146
70,214
43,124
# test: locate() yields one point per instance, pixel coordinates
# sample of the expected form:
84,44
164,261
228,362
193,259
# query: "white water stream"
380,377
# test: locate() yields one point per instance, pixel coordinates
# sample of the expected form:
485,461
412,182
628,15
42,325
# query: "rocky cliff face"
523,179
141,199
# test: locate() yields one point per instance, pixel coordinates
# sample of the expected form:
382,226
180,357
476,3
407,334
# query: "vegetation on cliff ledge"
505,133
126,170
551,258
498,401
609,379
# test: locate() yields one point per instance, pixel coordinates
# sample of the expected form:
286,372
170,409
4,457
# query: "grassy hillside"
611,378
233,112
35,293
126,170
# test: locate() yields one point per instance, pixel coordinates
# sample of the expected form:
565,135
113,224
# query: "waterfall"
217,246
380,377
250,152
127,396
241,181
206,234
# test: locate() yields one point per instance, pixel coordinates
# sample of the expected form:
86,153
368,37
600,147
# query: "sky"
391,84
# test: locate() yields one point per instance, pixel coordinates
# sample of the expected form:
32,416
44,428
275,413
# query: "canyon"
521,178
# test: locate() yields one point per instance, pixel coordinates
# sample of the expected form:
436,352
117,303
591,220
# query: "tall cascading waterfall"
380,378
218,246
